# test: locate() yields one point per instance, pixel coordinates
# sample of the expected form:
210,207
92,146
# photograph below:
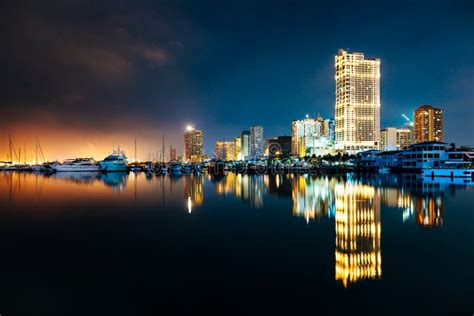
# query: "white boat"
116,162
43,167
77,165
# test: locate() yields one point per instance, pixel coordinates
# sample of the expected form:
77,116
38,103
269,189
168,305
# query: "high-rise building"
257,142
193,144
404,138
312,136
302,133
357,102
428,124
237,148
245,145
225,150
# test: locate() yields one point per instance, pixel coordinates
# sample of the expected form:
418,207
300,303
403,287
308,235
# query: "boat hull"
449,173
76,168
112,167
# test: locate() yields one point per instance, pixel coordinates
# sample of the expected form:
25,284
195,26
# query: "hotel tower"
193,144
357,102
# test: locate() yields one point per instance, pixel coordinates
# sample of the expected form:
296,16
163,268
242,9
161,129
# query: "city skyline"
151,69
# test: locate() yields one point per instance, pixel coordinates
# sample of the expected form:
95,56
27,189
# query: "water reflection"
313,198
353,203
357,229
193,191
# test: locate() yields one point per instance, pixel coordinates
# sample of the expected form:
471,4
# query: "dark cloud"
77,60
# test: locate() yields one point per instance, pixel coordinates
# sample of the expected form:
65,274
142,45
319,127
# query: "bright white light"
189,128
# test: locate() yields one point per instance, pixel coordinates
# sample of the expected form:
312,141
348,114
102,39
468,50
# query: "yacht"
42,167
115,162
77,165
175,168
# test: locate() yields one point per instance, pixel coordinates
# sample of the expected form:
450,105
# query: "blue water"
134,244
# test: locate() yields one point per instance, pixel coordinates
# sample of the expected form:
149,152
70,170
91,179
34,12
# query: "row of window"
412,156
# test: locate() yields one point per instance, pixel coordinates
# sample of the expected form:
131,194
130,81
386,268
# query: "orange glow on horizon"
59,144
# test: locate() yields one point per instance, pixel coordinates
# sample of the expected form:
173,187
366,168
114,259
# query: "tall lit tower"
245,145
428,124
357,102
257,143
193,144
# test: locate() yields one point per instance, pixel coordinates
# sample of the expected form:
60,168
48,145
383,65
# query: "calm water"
124,243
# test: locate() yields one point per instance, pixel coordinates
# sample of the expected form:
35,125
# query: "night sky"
85,76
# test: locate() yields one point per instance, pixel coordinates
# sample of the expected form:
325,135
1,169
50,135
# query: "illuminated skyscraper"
245,145
225,150
357,102
428,124
237,148
257,144
193,144
358,255
304,132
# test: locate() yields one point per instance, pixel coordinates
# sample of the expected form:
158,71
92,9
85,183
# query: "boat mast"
163,149
40,149
11,145
135,149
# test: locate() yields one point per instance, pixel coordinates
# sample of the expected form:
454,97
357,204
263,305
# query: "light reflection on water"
352,202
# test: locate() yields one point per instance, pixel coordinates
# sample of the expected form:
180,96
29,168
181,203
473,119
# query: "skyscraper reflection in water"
357,226
193,191
313,198
250,188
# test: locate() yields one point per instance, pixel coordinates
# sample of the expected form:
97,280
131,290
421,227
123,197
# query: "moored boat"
175,168
77,165
115,162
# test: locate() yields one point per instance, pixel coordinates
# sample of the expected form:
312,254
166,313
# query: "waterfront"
104,243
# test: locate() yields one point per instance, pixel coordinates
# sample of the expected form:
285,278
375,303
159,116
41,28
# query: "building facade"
357,102
302,133
245,145
224,150
193,145
428,122
392,138
237,148
312,136
279,147
257,143
172,153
